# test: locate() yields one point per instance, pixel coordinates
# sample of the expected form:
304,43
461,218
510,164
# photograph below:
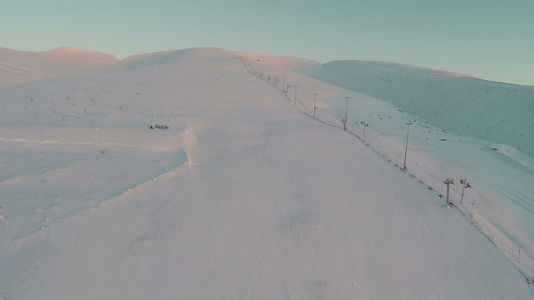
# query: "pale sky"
490,39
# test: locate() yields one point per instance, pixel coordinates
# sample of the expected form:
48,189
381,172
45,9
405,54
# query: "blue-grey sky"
490,39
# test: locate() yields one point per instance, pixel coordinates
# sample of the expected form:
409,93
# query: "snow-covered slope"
24,66
242,197
466,106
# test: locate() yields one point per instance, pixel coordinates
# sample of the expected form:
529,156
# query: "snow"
466,106
495,117
24,66
243,197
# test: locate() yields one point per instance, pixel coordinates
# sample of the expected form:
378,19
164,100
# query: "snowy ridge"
252,199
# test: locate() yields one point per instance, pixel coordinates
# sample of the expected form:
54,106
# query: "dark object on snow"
155,126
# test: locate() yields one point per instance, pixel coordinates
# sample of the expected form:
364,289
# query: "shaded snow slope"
502,113
152,59
243,197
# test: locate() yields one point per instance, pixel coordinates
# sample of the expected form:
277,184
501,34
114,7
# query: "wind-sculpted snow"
242,197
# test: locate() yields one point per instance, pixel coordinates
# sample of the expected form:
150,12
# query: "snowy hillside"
244,196
503,113
24,66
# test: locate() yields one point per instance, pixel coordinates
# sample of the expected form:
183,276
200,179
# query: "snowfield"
246,195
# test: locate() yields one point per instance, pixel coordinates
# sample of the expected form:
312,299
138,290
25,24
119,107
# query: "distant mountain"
24,66
193,55
461,104
78,57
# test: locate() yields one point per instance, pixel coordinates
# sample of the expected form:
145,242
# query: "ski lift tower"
465,185
314,105
345,119
364,125
406,149
448,182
